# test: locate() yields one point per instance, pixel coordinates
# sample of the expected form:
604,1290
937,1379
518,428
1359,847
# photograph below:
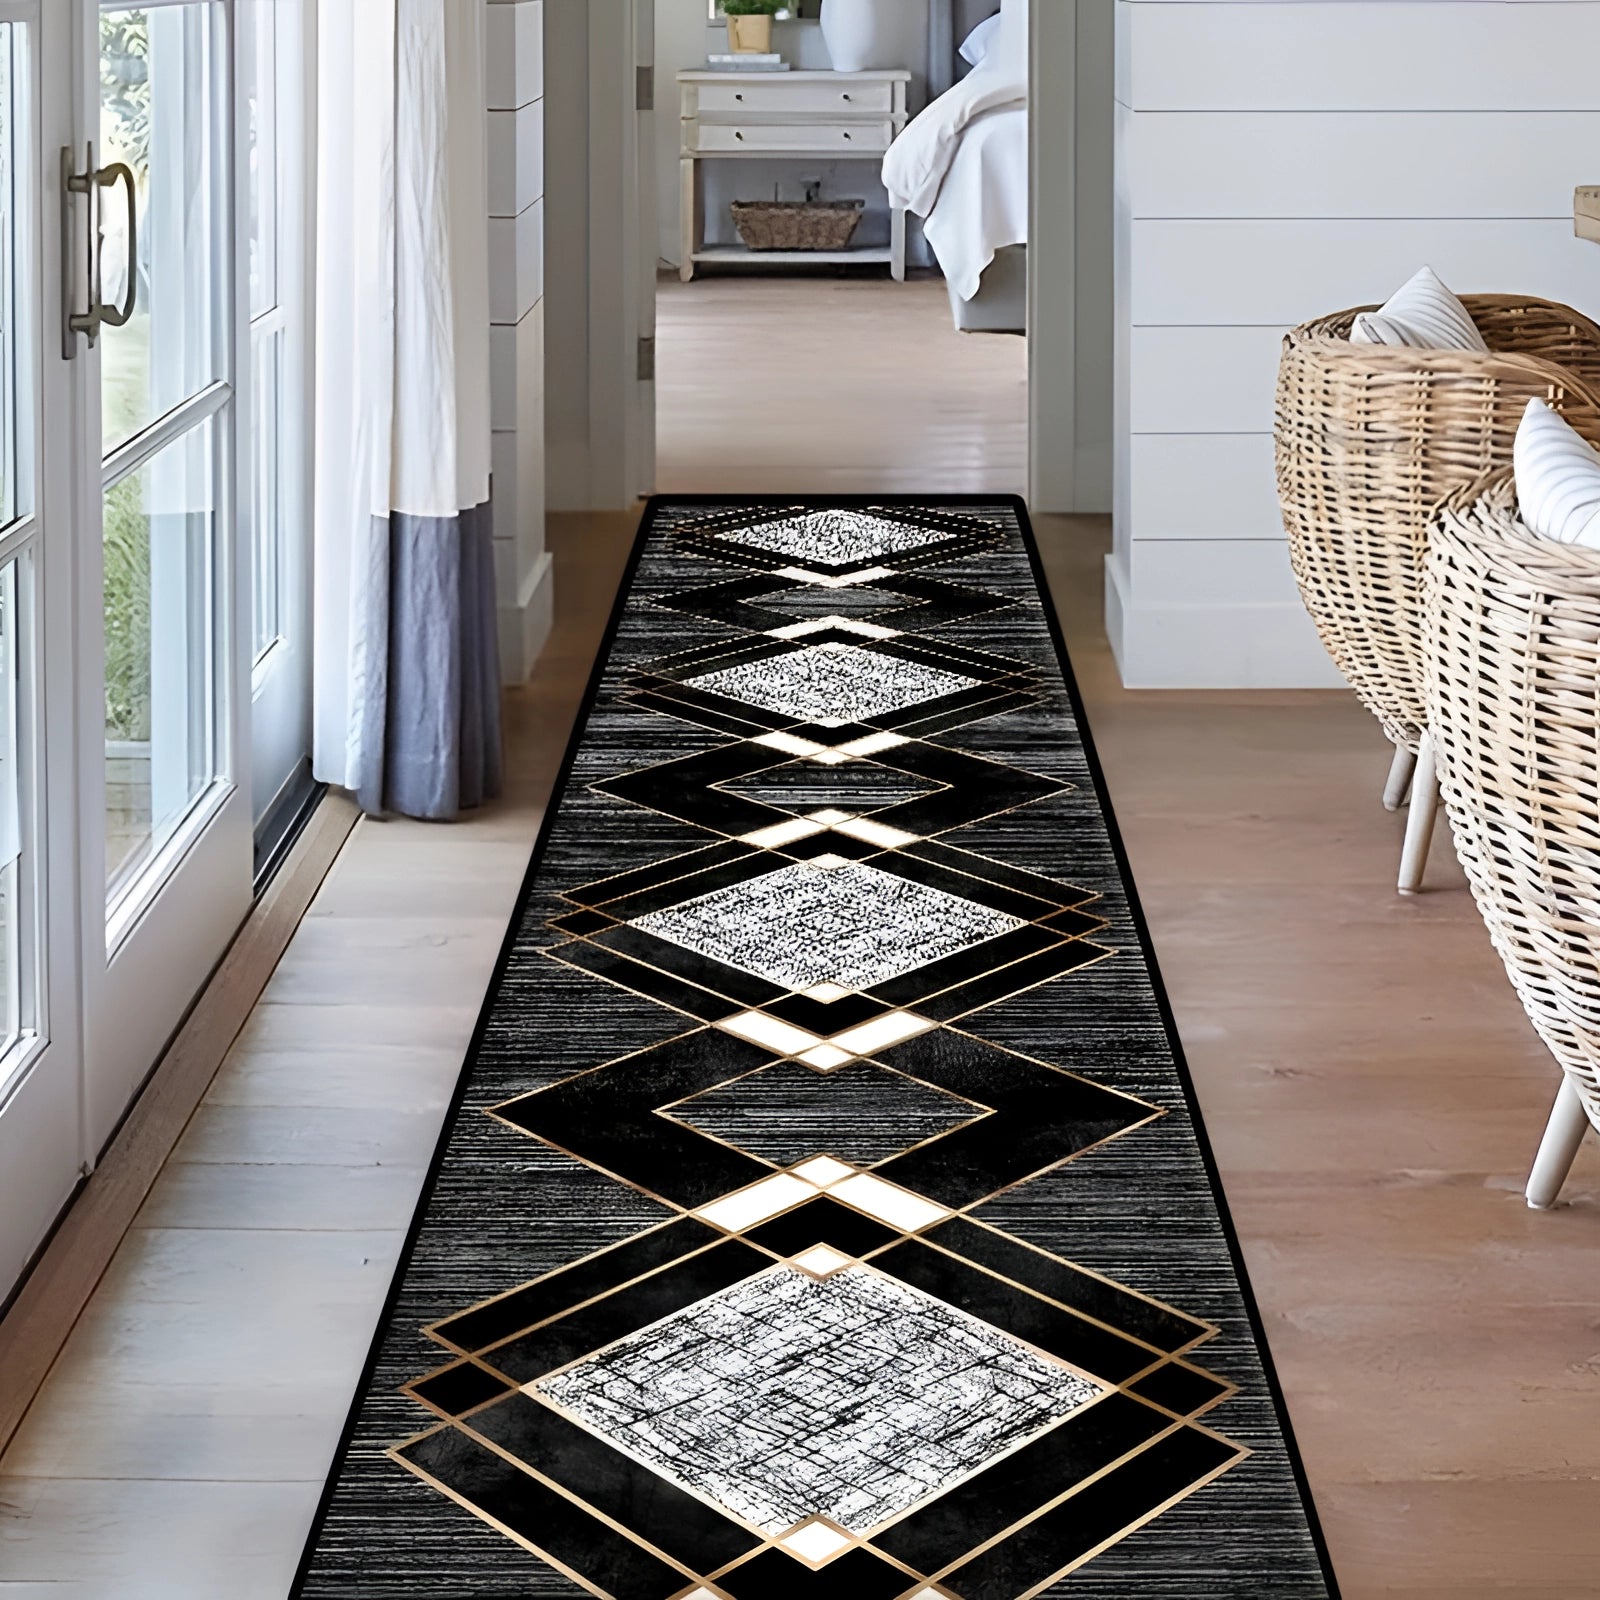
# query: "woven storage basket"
1370,439
1513,703
797,224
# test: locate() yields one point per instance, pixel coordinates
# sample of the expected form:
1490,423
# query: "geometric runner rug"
823,1210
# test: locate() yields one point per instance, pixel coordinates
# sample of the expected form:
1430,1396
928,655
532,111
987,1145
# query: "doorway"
832,360
150,348
613,89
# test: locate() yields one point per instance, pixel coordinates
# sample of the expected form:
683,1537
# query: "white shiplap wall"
1277,160
516,342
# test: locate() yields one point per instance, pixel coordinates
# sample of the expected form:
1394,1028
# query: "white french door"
41,1099
163,617
149,348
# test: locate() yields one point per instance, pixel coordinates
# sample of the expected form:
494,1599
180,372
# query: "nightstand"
787,115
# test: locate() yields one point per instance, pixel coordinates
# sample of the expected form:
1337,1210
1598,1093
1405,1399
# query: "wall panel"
1278,160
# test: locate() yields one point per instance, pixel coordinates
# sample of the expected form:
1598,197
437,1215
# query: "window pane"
11,909
160,113
263,116
267,354
159,534
15,342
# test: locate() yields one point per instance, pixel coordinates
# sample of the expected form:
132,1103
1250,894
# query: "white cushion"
1424,315
1558,478
976,45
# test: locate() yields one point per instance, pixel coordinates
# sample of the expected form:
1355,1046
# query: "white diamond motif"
785,1397
850,925
832,682
835,538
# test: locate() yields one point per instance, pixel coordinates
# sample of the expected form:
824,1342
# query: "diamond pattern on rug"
832,683
784,1397
860,1113
860,786
834,538
847,924
857,601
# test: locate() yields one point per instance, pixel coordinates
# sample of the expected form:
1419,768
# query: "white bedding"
962,164
983,203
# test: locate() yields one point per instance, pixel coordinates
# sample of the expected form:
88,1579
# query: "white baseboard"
1268,645
525,626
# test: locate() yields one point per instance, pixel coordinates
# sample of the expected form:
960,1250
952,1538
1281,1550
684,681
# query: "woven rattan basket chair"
1369,440
1513,703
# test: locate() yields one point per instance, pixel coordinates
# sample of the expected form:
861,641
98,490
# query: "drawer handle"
737,134
740,97
845,97
847,136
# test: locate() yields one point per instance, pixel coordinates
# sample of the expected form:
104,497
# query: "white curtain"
406,665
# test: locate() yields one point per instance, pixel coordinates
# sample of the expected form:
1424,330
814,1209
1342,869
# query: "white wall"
683,39
1278,160
516,134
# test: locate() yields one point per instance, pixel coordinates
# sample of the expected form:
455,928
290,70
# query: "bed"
962,166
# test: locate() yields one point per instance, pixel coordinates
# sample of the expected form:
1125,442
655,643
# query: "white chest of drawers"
786,115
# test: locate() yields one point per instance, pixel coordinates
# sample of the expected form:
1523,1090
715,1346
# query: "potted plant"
750,24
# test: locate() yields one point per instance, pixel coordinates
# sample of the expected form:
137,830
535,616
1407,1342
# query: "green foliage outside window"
125,125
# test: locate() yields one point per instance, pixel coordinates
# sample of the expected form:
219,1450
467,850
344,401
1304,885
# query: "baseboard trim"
49,1301
1266,645
525,626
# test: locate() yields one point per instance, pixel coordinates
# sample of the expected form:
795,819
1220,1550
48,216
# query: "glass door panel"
276,72
161,113
14,370
159,535
20,1029
163,252
269,464
15,923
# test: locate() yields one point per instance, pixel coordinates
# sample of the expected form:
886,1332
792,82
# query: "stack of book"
749,61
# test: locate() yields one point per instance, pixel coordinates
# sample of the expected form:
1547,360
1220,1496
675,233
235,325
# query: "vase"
862,34
750,36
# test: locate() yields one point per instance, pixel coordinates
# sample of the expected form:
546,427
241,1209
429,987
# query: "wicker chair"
1513,703
1369,440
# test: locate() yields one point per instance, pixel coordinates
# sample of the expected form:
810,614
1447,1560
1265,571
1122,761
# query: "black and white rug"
823,1211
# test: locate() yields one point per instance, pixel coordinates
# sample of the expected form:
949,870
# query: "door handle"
118,316
90,183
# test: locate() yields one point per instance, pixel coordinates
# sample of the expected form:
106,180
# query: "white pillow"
1424,315
978,43
1558,478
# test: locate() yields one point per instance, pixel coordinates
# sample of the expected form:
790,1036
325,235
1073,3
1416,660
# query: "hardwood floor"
1371,1086
1374,1094
852,384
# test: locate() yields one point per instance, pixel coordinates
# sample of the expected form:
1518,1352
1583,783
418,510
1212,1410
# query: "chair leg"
1558,1149
1394,791
1419,824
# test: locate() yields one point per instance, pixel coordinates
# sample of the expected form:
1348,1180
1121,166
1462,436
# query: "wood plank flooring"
1374,1094
1370,1083
851,384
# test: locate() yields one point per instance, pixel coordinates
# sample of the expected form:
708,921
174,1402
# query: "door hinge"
644,88
647,360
